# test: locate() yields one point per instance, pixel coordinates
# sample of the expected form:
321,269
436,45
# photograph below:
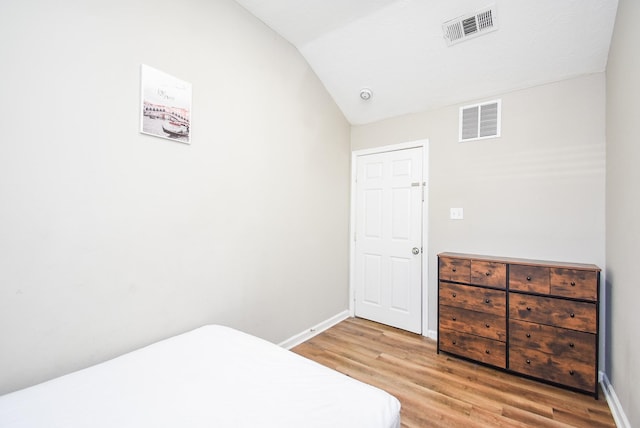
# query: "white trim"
314,331
432,334
389,148
619,417
424,144
425,238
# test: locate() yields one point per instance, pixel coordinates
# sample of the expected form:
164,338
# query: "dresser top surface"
514,260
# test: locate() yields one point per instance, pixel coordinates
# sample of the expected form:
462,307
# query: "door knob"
416,250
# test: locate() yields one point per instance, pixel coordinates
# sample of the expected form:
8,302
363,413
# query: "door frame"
424,144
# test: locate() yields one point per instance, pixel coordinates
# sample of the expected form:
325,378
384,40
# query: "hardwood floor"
438,390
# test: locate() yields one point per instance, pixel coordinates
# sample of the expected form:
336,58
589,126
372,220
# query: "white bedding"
213,376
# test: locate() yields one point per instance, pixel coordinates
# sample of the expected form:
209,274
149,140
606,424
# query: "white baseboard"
313,331
619,417
432,334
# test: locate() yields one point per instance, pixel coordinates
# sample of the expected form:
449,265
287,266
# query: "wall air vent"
468,26
480,121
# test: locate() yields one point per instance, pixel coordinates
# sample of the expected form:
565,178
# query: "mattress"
213,376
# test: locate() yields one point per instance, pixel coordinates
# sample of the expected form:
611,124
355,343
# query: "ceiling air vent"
468,26
480,121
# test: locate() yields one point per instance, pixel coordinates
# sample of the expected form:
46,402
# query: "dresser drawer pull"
453,294
528,308
454,342
488,273
571,372
528,334
571,345
486,325
572,315
487,300
487,351
453,318
528,361
528,278
573,283
454,269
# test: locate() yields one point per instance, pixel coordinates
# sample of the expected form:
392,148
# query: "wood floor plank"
439,390
491,419
474,393
531,419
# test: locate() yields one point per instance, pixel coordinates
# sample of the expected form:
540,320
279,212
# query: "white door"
388,239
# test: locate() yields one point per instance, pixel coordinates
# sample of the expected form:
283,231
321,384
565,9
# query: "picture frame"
165,109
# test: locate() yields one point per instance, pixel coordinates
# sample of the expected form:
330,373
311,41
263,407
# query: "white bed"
213,376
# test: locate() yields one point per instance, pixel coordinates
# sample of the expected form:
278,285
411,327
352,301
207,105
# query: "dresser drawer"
491,274
477,348
533,279
561,370
474,298
556,341
478,323
457,270
579,316
574,283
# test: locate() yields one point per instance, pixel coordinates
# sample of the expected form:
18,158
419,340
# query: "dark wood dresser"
534,318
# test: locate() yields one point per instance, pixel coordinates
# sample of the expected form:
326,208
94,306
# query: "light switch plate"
456,214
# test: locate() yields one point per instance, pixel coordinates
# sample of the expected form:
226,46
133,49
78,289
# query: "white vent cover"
468,26
480,121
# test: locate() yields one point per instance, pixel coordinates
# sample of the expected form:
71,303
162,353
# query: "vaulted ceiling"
397,48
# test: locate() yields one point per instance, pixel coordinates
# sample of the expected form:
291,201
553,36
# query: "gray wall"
535,192
110,239
623,208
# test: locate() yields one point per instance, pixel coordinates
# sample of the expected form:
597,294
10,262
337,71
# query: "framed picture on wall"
166,105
